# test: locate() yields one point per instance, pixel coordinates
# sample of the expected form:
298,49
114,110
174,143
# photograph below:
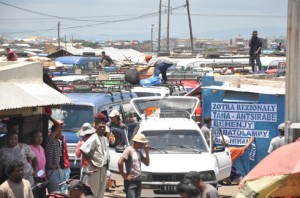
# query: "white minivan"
177,144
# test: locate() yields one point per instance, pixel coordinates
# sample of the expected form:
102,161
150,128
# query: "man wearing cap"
161,65
255,45
278,141
132,157
207,190
116,123
95,150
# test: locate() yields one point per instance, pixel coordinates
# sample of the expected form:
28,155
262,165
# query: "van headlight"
146,176
208,176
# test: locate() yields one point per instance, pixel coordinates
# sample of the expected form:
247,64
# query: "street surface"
225,191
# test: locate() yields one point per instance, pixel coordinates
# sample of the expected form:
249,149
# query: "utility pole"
292,80
190,25
65,42
152,37
159,27
58,35
168,27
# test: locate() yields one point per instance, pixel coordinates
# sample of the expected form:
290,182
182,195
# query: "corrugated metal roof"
16,95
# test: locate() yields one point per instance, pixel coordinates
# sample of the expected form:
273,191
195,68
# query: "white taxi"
176,144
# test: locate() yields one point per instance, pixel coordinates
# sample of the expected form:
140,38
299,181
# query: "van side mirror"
120,148
218,149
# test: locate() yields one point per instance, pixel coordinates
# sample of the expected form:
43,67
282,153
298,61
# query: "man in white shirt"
96,151
278,141
15,185
161,65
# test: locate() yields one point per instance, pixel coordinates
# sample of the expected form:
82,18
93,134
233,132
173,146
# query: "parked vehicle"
83,108
277,68
177,144
82,62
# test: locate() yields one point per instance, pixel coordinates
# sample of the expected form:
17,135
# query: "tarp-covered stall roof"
14,96
22,86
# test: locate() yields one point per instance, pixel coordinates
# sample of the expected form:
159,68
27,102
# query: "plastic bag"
148,82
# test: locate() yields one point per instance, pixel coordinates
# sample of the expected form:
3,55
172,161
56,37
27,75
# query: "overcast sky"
132,19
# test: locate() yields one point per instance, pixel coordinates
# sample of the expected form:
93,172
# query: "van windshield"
74,116
176,140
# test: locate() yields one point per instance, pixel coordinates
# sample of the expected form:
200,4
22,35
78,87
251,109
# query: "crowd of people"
22,166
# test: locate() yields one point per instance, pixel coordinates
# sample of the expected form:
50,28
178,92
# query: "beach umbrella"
277,175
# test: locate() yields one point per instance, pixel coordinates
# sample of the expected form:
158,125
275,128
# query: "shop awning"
34,94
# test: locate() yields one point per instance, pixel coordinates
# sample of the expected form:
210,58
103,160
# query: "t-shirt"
96,148
156,61
236,152
210,192
20,152
53,152
10,189
84,161
133,162
276,142
206,132
41,159
11,56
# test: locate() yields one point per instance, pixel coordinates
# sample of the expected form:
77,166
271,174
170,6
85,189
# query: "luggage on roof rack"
93,84
186,75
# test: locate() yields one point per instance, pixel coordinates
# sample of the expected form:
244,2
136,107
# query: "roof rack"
94,85
187,75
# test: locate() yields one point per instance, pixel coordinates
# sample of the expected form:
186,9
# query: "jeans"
133,189
55,178
65,176
162,69
252,58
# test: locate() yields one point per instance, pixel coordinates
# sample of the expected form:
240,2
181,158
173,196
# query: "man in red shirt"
11,56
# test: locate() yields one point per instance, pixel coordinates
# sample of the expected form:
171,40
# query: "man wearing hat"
207,190
115,122
96,151
255,45
132,157
85,132
278,141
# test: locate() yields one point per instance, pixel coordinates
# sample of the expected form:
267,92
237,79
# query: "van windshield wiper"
158,149
188,147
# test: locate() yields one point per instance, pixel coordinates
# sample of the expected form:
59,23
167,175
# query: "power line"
234,15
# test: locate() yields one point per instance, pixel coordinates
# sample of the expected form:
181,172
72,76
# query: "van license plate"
168,188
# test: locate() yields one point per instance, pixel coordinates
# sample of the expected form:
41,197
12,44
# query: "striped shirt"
53,152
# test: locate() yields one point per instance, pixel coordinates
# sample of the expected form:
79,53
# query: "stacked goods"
132,76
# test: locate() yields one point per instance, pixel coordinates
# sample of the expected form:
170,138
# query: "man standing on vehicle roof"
161,65
255,45
132,156
96,151
11,56
106,60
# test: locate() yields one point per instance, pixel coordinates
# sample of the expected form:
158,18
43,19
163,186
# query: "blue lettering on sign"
238,121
